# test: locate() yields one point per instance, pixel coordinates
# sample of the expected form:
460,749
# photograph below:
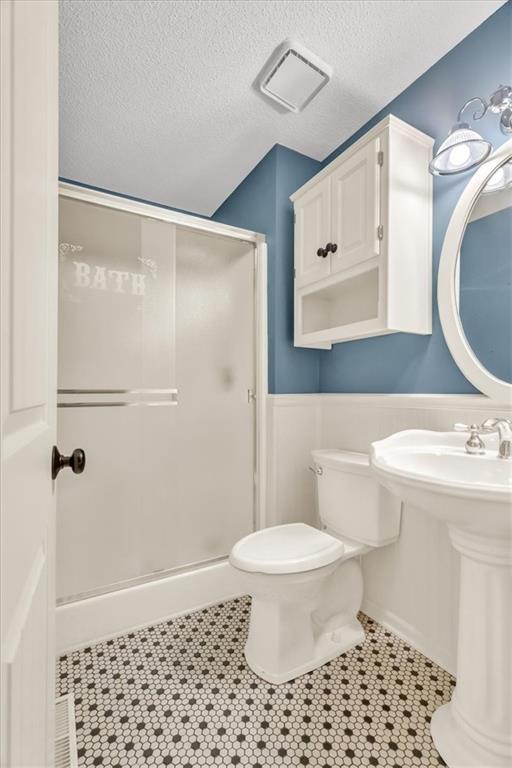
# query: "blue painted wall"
404,362
400,362
261,202
486,291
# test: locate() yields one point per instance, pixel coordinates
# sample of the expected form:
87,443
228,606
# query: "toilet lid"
291,548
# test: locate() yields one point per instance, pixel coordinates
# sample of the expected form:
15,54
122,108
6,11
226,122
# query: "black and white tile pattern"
180,693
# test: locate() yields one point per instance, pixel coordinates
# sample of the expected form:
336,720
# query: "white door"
312,231
355,205
28,212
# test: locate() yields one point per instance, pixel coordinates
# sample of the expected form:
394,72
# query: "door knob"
76,462
322,253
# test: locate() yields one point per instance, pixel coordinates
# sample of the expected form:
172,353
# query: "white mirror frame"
448,290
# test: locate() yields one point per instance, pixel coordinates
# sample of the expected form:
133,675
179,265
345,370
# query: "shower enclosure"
157,383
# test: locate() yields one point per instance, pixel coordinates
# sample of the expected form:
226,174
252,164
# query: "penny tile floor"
179,693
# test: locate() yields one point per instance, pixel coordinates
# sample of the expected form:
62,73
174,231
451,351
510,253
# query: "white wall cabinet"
363,240
312,228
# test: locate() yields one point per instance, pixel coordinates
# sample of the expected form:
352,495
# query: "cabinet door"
355,195
312,231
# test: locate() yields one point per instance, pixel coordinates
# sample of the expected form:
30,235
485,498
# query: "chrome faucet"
504,429
475,444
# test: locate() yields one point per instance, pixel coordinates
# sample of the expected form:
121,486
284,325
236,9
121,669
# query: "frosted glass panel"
169,486
215,370
116,295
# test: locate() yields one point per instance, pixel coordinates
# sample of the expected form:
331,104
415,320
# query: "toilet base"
328,646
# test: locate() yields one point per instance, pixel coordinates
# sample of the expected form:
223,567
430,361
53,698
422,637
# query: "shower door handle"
76,462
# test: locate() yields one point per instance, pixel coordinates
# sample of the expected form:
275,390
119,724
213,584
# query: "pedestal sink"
473,495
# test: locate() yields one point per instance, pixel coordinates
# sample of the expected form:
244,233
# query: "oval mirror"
475,278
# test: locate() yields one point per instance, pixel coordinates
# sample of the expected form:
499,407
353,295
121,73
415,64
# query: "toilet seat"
291,548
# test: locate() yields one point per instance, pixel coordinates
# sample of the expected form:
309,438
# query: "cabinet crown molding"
389,120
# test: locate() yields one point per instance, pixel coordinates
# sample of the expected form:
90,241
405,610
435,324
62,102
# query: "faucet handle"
460,427
474,444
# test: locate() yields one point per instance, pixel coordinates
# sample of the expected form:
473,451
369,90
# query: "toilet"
306,584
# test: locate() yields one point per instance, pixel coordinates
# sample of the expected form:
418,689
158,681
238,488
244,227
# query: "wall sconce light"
464,148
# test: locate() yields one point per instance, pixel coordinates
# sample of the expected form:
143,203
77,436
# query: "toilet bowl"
306,584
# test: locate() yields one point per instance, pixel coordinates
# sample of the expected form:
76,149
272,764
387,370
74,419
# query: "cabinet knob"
329,248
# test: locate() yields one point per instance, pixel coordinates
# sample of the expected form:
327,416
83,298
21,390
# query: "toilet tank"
351,503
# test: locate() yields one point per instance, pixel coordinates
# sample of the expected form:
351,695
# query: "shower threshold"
139,580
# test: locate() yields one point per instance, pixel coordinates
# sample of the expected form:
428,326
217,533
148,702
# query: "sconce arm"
479,113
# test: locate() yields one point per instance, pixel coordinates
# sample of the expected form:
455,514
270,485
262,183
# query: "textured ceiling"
157,98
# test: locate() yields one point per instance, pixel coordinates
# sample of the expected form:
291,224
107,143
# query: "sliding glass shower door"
156,370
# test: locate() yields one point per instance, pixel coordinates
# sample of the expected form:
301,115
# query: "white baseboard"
97,618
410,635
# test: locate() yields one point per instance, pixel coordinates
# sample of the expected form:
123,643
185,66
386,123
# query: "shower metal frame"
258,240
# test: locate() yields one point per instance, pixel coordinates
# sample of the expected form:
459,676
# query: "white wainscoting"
411,586
293,429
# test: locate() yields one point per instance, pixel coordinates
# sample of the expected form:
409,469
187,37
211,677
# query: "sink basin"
472,494
432,470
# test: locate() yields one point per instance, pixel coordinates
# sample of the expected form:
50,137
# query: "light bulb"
459,155
462,150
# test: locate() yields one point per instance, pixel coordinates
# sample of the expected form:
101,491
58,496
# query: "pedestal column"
475,729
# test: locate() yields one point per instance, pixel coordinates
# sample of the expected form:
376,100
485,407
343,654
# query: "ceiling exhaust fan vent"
293,76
